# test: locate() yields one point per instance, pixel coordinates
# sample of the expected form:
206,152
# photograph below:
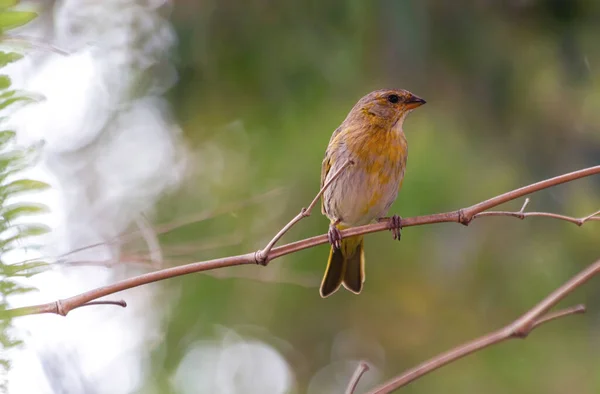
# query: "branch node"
522,332
521,213
261,258
462,218
59,308
582,220
304,212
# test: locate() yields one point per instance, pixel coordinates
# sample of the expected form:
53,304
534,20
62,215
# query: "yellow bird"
372,138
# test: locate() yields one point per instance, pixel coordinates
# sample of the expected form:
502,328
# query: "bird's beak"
414,102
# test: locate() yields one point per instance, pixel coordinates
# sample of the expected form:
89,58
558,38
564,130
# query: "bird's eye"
393,98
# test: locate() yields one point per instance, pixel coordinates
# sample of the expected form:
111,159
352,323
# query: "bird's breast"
365,190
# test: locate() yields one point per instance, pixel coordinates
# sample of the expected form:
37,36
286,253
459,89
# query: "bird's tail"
346,266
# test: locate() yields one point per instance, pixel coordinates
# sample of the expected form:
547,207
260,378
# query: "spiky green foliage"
14,232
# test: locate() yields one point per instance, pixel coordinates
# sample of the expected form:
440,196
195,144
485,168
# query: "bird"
371,143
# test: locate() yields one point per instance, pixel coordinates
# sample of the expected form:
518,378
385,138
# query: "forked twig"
263,254
520,328
522,215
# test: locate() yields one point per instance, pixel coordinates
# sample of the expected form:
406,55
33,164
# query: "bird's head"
386,107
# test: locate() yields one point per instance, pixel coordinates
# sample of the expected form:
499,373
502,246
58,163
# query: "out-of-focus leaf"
6,103
24,270
9,57
6,341
6,136
31,229
7,159
8,3
8,286
15,168
12,19
7,94
4,81
13,211
12,162
23,185
24,231
10,168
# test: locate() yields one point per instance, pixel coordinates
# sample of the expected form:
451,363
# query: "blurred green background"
512,98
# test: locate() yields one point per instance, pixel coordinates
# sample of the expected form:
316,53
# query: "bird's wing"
335,134
325,167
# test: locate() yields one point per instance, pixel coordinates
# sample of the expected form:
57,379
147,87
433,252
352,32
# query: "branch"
463,216
360,370
56,307
520,328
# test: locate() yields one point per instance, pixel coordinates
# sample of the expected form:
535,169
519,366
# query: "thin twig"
463,216
263,254
524,205
520,328
166,227
593,216
519,215
154,250
558,314
57,307
120,303
522,215
360,370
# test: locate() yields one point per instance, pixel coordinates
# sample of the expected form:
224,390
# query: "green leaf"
25,270
10,167
7,342
6,136
23,185
11,287
13,211
31,229
10,93
12,19
11,101
24,231
15,168
4,82
17,159
14,96
8,3
9,57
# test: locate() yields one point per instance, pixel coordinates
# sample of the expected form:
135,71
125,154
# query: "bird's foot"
334,236
394,225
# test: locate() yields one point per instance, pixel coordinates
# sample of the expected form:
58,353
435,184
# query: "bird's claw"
394,225
334,236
